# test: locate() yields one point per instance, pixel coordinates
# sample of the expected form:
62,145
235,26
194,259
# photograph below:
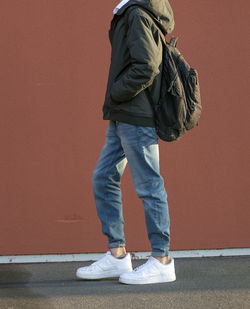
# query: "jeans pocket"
147,133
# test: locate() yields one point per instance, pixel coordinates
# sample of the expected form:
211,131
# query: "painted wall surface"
54,60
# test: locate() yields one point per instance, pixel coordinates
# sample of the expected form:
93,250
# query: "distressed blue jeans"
137,146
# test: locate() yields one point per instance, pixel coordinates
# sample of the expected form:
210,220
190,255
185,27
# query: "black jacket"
136,61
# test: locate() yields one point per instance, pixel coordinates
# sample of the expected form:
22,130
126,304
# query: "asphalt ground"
215,282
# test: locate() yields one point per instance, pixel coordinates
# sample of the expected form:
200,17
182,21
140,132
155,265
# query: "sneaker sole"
102,276
146,281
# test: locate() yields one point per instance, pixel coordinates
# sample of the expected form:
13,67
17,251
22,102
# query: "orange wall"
54,58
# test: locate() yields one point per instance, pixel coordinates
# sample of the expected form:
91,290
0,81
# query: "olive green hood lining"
161,10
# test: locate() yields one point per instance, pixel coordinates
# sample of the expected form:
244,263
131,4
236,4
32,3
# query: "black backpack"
179,107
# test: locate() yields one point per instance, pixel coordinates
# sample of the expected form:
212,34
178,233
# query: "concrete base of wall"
50,258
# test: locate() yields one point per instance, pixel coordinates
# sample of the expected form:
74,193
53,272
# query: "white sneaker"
107,267
153,271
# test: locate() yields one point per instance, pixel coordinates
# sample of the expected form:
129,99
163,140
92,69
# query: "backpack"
179,107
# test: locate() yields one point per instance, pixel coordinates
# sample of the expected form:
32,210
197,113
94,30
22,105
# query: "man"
133,86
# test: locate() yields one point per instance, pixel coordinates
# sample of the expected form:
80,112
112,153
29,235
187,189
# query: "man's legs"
140,145
107,193
106,186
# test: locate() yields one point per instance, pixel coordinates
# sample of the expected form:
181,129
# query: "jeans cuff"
116,245
160,253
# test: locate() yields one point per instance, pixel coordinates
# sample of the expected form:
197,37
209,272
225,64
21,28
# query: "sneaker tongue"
152,259
157,261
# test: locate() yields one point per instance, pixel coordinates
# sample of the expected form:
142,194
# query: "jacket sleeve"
145,55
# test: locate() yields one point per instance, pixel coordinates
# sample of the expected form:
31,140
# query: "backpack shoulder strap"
173,41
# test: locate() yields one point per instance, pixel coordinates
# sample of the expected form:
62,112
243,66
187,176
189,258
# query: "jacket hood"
160,9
